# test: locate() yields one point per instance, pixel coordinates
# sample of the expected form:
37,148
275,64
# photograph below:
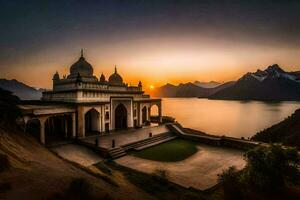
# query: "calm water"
231,118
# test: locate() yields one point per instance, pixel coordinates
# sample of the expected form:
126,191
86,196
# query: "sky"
155,41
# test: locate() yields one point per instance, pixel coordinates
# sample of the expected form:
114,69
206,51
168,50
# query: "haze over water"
230,118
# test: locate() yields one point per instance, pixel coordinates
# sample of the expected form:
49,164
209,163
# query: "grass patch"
173,151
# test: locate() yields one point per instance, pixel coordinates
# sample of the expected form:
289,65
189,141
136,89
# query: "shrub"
230,180
161,175
269,173
269,169
78,189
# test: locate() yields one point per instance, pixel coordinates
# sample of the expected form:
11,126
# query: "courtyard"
199,171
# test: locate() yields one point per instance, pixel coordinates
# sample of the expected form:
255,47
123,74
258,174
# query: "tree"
269,174
269,169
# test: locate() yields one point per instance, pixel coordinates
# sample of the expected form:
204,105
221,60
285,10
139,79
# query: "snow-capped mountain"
273,71
273,83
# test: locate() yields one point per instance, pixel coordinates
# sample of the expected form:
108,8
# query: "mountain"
21,90
271,84
210,84
286,132
188,90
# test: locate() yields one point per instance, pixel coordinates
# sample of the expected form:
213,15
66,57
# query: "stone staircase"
116,152
142,144
151,141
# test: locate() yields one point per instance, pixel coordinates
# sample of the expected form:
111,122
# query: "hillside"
21,90
286,132
271,84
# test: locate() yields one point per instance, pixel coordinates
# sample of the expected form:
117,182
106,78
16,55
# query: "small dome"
56,76
102,78
82,67
115,78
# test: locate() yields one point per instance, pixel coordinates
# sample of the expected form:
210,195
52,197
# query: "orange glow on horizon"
175,60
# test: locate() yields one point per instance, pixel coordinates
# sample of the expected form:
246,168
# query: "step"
155,143
156,137
117,152
141,143
147,142
118,155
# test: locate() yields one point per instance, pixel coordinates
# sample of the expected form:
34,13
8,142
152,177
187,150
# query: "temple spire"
81,53
116,69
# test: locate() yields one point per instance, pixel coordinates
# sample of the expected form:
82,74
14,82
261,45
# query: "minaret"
81,53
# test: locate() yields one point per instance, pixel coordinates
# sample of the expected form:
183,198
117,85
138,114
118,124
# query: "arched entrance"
92,122
144,115
154,114
120,117
58,128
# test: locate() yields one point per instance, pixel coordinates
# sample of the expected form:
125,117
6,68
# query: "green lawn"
172,151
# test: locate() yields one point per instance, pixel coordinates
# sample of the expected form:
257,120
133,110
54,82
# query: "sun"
151,87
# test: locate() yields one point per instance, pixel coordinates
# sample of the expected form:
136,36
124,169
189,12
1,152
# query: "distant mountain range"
271,84
21,90
190,89
210,84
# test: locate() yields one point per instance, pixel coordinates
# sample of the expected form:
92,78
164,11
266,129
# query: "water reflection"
231,118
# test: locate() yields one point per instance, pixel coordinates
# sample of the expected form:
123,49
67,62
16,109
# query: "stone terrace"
125,136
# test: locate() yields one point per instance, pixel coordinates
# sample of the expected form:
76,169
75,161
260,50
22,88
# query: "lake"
230,118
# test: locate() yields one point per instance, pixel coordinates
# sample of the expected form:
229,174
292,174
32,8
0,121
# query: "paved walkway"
126,136
199,171
78,154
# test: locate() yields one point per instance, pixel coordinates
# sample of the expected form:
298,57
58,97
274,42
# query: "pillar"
73,125
102,116
81,122
65,120
42,130
160,113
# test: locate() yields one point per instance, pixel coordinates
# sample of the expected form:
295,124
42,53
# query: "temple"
80,104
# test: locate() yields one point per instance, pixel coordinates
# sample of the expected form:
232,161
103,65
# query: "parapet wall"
211,139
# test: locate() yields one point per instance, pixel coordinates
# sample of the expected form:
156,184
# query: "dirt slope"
36,173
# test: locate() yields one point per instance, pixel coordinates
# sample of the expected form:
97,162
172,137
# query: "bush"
78,189
230,180
161,175
269,169
269,173
4,162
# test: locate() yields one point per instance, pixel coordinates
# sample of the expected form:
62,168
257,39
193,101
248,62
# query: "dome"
115,78
102,78
81,67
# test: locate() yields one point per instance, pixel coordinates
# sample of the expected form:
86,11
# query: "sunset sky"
156,41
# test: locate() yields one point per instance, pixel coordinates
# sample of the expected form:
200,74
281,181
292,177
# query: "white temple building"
81,104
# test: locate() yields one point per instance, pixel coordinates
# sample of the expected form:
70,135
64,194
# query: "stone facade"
99,106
